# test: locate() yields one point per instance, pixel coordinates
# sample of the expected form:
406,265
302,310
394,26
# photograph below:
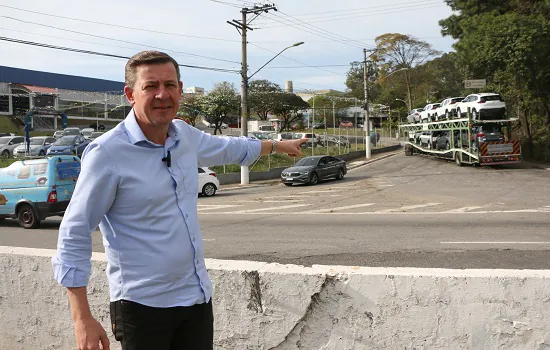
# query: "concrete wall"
283,307
232,178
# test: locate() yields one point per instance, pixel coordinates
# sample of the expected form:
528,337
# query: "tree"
394,51
355,82
287,109
190,107
263,97
507,44
222,100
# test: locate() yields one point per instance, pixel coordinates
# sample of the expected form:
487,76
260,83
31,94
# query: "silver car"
8,144
38,146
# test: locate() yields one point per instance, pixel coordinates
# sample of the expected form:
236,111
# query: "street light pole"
367,121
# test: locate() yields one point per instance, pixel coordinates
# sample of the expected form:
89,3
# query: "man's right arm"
93,196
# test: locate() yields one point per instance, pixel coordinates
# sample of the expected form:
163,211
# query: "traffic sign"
475,84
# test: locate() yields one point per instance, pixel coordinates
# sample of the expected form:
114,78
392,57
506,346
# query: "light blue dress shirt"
147,213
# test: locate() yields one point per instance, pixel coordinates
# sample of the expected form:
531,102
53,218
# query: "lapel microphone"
167,159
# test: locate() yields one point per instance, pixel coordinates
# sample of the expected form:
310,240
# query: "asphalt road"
400,211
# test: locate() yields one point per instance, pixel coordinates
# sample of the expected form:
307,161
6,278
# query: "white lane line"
259,201
329,210
327,191
462,210
203,207
419,213
383,185
494,242
208,239
407,207
301,196
271,208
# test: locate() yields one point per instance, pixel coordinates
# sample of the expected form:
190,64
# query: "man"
139,183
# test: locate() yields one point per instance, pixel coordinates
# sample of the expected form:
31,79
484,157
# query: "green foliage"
222,100
287,108
190,107
263,97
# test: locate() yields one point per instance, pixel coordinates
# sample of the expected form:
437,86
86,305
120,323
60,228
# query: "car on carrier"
428,113
447,110
484,106
32,190
414,116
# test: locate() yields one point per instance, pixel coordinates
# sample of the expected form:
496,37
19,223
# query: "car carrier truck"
466,141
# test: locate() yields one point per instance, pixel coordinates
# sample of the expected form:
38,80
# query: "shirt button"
197,262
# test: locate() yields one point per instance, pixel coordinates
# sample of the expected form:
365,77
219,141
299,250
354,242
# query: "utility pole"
242,28
367,121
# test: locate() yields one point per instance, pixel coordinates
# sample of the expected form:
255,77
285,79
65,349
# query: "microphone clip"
167,159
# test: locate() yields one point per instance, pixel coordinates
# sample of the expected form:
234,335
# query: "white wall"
283,307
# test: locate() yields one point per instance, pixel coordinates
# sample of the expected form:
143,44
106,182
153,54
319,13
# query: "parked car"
313,138
32,190
485,106
333,140
447,110
487,133
58,134
414,116
8,144
69,145
258,135
208,182
346,124
285,136
428,113
311,170
38,146
71,131
95,135
87,132
426,139
318,126
6,134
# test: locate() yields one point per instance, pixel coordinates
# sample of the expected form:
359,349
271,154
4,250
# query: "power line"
289,24
315,66
117,25
334,18
32,43
122,41
314,15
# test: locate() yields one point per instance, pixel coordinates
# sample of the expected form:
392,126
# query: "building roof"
59,81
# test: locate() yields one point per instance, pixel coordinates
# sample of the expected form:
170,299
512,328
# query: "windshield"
64,141
71,132
87,132
37,141
4,140
307,161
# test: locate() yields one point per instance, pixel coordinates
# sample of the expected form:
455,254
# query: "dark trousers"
140,327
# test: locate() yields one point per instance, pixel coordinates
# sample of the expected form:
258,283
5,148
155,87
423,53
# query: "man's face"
156,94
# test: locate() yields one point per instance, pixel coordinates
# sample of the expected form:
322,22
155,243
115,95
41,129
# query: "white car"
208,182
426,139
447,110
428,113
87,133
414,116
488,105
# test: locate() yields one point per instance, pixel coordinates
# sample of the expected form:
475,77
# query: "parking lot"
399,211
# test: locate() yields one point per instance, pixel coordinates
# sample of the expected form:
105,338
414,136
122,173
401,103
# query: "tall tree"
355,81
508,45
190,107
287,108
221,101
402,51
263,97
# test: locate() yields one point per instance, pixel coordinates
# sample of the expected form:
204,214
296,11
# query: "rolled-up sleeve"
93,196
216,150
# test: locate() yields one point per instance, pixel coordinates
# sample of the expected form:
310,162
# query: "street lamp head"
298,44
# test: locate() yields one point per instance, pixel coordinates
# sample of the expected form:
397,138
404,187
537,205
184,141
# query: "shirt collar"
135,134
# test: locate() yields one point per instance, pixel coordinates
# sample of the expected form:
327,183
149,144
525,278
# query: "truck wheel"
457,159
27,217
408,150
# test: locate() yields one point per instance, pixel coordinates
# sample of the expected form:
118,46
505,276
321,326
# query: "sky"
197,33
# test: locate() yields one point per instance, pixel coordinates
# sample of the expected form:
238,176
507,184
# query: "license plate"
289,179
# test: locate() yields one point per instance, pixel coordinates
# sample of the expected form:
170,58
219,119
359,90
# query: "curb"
367,162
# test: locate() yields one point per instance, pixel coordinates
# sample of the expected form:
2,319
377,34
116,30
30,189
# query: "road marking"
420,213
383,185
268,209
208,239
462,210
407,207
302,196
329,210
202,207
328,191
494,242
270,201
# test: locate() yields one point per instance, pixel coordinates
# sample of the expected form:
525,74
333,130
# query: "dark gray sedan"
311,170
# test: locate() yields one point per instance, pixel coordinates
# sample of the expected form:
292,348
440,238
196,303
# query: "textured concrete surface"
286,307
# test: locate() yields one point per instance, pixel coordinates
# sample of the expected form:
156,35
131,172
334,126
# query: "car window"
307,161
18,140
201,170
491,98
